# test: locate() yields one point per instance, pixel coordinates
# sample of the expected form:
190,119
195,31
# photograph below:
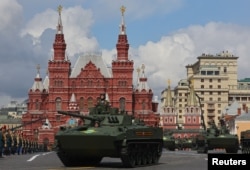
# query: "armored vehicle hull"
188,143
227,142
80,146
245,141
169,143
209,141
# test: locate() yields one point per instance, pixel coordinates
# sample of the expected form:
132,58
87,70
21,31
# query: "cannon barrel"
80,116
22,125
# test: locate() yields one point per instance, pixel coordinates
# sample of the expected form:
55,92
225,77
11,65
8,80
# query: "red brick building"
79,87
192,117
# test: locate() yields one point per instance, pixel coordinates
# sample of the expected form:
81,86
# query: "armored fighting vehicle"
169,141
106,132
217,138
188,143
245,141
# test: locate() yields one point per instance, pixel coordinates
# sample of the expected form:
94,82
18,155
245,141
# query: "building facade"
215,83
191,120
78,88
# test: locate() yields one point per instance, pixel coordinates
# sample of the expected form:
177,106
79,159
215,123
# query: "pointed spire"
46,81
142,83
107,96
38,85
59,43
59,26
143,72
168,97
122,45
72,103
38,71
192,101
122,26
73,98
138,76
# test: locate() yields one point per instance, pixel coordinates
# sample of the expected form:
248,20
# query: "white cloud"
77,24
10,17
167,58
164,59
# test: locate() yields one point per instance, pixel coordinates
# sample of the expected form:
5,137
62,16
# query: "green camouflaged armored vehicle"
245,141
169,141
217,138
109,133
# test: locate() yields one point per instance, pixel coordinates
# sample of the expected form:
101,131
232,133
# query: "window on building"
37,105
180,94
202,86
58,103
219,105
143,105
210,86
166,119
219,99
202,93
219,80
219,86
73,84
210,72
90,102
202,80
180,100
210,80
210,99
225,69
90,83
219,93
81,104
122,104
211,93
203,72
58,118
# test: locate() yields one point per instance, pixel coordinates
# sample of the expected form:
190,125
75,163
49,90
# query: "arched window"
143,105
194,120
90,102
58,103
122,104
37,104
81,104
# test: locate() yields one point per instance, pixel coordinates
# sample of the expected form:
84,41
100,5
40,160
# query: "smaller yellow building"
242,123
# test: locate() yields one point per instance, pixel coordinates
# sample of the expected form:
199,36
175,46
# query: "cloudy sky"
165,35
